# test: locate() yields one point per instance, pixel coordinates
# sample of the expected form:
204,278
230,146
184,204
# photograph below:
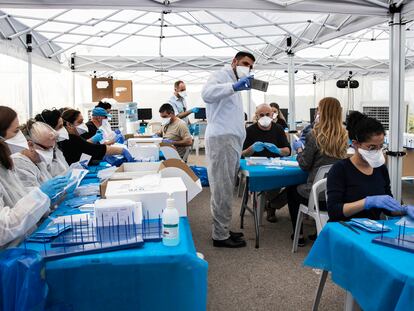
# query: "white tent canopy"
328,38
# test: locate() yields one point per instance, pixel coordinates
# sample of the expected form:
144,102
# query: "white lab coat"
20,209
30,174
59,166
224,109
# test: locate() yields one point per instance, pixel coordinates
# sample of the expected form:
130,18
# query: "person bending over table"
325,144
359,186
267,139
174,130
73,147
20,208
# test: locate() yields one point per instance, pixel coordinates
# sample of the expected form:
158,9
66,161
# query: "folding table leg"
256,218
319,290
244,203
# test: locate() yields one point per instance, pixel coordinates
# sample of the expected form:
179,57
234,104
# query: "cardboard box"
153,201
167,168
101,88
120,90
408,163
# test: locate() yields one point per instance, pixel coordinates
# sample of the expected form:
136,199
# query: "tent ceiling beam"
365,8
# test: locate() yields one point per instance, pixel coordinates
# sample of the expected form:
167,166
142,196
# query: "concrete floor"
268,278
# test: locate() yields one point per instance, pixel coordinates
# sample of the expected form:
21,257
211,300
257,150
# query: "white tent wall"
51,88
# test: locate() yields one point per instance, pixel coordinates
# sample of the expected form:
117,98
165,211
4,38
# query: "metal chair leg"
256,219
319,290
244,204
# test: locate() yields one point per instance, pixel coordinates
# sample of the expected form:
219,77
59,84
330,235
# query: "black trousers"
294,201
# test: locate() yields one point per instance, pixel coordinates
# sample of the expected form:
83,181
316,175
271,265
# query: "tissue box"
153,201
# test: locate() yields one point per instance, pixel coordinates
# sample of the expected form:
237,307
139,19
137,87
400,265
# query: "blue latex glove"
97,137
119,138
53,186
195,110
272,148
167,141
297,144
258,146
409,210
383,201
243,84
127,155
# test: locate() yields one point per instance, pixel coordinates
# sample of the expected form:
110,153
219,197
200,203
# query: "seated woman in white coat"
20,208
31,164
53,118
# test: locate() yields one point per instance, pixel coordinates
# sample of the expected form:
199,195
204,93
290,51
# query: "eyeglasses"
261,115
373,147
43,147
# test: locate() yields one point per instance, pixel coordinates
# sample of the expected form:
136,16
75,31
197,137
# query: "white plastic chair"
321,218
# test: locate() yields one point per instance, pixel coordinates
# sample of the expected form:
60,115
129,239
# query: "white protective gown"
20,209
59,166
30,174
225,135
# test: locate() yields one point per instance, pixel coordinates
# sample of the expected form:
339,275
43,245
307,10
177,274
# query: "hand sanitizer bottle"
170,222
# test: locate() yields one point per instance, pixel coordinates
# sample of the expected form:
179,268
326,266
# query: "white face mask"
265,121
82,128
375,158
275,115
106,124
165,121
182,94
316,118
63,134
45,155
242,71
17,143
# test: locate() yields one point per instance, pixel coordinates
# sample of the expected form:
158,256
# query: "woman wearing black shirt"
359,187
76,145
278,116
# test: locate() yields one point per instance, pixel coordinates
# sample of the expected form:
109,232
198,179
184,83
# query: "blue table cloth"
154,277
265,178
380,278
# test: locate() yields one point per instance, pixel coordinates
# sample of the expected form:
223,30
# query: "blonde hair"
331,136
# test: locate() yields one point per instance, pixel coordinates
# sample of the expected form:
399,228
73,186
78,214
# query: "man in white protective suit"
224,139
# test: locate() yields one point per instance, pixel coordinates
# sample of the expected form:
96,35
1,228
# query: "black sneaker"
236,235
301,241
229,243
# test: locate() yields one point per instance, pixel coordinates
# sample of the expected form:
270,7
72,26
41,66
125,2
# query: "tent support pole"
291,72
30,85
396,100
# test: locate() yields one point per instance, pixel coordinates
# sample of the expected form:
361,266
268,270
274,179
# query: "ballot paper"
406,221
271,162
368,225
73,219
107,172
122,211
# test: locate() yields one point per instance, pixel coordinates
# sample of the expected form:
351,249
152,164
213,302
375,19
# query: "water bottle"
170,224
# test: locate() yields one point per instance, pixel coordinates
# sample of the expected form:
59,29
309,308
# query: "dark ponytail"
50,117
7,116
361,128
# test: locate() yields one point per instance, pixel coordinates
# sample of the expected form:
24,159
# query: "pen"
343,223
